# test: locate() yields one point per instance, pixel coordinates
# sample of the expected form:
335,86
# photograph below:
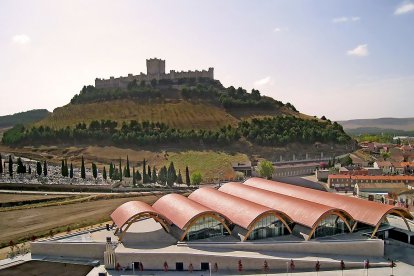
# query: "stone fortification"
155,71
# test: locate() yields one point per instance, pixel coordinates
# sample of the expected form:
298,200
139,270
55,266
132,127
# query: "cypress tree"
44,168
154,175
104,173
30,170
111,171
62,168
149,173
83,172
120,169
144,172
66,168
71,170
38,168
20,166
171,175
187,176
1,165
179,178
10,166
94,170
139,176
127,170
134,180
162,175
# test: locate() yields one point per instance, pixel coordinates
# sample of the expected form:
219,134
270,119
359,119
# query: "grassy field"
22,223
179,114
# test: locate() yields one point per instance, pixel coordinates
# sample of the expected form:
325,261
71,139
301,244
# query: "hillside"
378,125
23,118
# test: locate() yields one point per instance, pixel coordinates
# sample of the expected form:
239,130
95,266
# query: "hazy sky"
343,59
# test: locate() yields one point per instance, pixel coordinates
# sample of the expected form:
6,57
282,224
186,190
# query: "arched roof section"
239,211
127,211
182,211
364,211
300,211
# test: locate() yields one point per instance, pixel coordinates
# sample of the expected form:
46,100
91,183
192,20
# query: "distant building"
348,182
245,168
295,169
155,71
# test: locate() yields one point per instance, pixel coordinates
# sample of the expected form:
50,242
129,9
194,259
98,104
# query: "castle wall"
155,70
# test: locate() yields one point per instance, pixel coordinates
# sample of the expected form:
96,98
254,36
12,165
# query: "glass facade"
331,225
269,226
206,227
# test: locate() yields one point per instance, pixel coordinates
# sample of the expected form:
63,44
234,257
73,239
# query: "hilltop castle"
155,70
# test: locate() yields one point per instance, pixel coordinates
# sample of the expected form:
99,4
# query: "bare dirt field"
26,197
20,224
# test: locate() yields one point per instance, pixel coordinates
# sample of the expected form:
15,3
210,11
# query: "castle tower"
155,67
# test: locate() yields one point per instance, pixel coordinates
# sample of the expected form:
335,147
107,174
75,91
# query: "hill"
23,118
379,124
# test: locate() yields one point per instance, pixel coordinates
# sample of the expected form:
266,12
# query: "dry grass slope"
180,114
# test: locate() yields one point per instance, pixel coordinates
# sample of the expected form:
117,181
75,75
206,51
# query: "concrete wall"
92,250
374,247
155,261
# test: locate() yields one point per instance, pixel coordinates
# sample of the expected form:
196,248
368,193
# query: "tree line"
166,176
275,131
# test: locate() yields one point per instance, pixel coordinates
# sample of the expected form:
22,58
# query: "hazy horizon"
342,59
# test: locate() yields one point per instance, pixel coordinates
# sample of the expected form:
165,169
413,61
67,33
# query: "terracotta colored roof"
339,176
237,210
300,211
179,209
128,210
373,177
364,211
384,164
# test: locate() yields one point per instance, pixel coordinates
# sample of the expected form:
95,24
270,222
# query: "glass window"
269,226
329,226
206,227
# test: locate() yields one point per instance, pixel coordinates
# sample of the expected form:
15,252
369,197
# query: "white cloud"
344,19
405,7
21,39
280,29
359,51
263,81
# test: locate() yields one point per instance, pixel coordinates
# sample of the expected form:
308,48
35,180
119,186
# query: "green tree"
127,170
94,170
66,168
10,166
45,168
38,168
162,175
149,173
385,155
30,170
171,175
62,168
83,172
154,175
20,166
139,176
187,176
179,177
111,171
144,172
104,173
266,169
120,169
134,180
196,178
71,170
1,165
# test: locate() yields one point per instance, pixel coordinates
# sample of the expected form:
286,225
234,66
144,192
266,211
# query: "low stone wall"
367,248
91,250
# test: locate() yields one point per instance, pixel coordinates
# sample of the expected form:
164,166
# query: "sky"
342,59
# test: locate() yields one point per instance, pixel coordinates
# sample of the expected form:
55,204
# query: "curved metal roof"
300,211
364,211
130,209
180,210
239,211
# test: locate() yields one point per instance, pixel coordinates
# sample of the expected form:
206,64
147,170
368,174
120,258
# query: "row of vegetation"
164,176
210,90
276,131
